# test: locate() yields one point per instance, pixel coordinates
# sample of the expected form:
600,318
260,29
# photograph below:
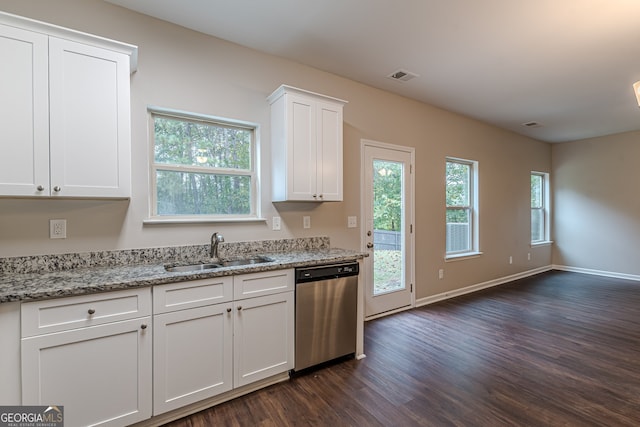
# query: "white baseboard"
597,272
479,286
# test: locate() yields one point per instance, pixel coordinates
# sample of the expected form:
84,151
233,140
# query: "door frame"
410,244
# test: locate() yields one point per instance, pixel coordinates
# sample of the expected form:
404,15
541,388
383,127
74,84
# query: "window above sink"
203,169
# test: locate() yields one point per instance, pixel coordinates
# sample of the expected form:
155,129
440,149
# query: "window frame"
253,173
545,208
472,208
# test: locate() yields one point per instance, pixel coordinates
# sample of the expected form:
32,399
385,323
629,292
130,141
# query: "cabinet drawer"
196,293
264,283
41,317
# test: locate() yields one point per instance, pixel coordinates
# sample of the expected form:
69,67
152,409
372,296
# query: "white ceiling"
565,64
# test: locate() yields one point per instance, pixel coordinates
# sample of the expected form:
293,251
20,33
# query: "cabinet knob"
143,326
57,188
239,307
228,310
40,188
315,196
91,311
320,196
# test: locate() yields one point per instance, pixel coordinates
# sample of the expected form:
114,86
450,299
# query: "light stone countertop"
16,286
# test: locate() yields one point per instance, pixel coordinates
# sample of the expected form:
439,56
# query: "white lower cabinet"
192,356
109,362
263,337
100,373
192,342
206,344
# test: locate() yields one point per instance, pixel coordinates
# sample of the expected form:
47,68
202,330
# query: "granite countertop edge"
82,281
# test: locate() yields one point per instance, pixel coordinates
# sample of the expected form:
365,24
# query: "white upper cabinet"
24,112
64,111
306,145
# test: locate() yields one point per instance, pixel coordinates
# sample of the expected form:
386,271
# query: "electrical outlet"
352,221
57,228
510,260
441,274
306,221
529,256
275,223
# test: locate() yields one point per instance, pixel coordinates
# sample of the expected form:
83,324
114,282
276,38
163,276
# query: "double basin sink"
219,264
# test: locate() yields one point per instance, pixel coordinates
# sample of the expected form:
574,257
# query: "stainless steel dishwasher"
326,313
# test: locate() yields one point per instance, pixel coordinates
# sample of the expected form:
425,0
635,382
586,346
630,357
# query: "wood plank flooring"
556,349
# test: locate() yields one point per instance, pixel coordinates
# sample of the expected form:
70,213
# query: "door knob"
369,245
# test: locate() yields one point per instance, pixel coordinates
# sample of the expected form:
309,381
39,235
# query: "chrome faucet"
215,239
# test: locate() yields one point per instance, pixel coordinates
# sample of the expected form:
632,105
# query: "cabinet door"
24,113
301,152
192,356
263,337
100,374
90,121
329,152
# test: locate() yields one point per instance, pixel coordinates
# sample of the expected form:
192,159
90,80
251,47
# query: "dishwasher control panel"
329,271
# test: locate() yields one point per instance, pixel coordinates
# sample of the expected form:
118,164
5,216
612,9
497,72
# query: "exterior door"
388,227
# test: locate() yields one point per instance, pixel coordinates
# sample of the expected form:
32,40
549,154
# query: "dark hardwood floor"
556,349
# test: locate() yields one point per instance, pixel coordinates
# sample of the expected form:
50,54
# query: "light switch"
352,221
275,223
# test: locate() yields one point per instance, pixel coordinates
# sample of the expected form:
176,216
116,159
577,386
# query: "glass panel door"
387,233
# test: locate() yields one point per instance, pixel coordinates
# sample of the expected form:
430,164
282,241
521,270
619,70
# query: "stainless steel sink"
192,267
246,261
219,264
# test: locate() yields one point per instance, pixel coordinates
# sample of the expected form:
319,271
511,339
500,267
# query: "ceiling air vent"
531,125
402,75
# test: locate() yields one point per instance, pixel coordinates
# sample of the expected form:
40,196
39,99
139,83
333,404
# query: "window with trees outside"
461,202
539,207
203,168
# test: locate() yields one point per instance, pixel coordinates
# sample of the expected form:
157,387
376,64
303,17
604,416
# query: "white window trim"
461,256
546,209
474,252
256,202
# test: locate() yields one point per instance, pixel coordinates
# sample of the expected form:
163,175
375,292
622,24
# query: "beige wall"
186,70
596,203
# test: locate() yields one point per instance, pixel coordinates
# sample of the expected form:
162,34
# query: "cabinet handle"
40,188
315,196
91,311
57,188
239,307
143,326
228,310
